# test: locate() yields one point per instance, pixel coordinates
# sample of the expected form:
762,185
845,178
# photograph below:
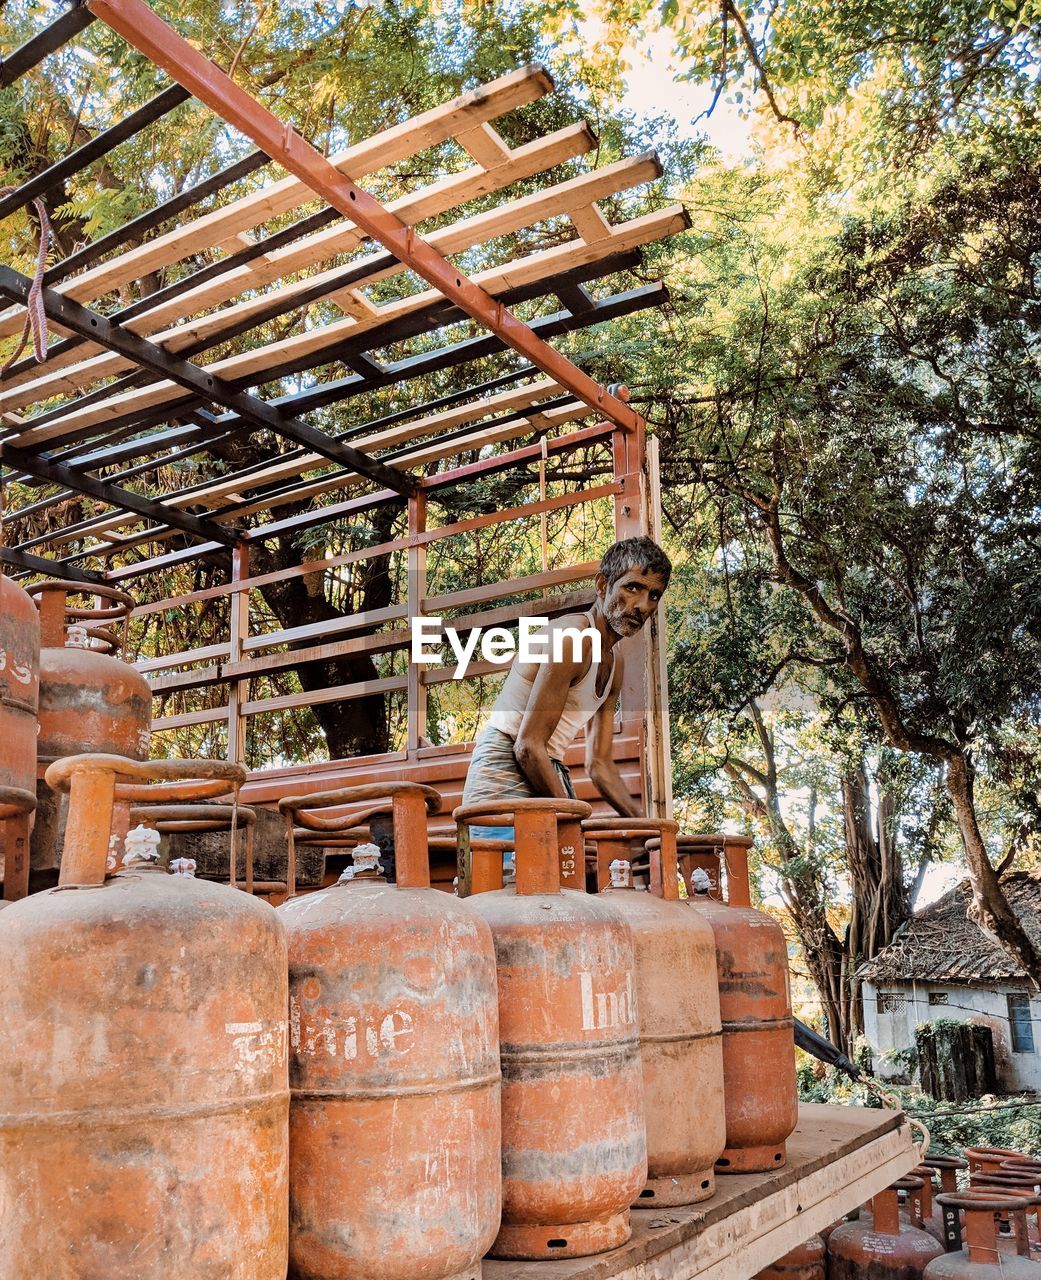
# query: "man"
542,706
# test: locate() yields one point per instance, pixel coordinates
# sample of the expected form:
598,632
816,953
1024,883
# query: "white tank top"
583,701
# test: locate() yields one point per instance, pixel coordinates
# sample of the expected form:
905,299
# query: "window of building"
938,997
1020,1023
892,1001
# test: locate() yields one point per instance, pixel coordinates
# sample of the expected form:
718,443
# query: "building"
942,965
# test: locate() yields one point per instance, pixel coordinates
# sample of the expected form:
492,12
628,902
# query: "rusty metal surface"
90,701
680,1034
19,686
758,1040
574,1147
395,1117
807,1262
882,1247
984,1254
143,1121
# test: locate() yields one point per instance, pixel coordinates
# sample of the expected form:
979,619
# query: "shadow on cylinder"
394,1035
882,1248
762,1102
19,703
90,701
678,1000
145,1104
806,1262
574,1154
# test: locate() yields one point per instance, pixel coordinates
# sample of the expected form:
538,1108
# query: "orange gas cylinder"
762,1103
981,1258
394,1070
804,1263
1018,1230
988,1159
144,1125
678,999
19,699
574,1154
89,700
921,1210
882,1248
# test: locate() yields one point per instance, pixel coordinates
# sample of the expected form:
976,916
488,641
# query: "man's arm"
545,706
600,765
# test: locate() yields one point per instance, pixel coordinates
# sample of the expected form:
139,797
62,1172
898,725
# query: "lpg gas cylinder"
882,1248
807,1262
89,700
947,1166
395,1117
574,1154
144,1125
762,1104
678,999
1016,1231
19,699
988,1159
922,1212
981,1258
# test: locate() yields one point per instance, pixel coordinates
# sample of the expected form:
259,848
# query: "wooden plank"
334,241
838,1157
182,659
512,586
330,627
208,715
316,697
249,366
385,148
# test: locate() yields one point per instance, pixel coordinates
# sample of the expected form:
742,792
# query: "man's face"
630,600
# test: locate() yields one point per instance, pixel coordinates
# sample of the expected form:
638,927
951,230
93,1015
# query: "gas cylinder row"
906,1234
63,690
183,1109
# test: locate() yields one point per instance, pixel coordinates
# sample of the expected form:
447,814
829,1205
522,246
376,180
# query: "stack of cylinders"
90,701
395,1117
145,1100
982,1257
574,1153
882,1248
762,1102
678,1000
19,701
1015,1229
806,1262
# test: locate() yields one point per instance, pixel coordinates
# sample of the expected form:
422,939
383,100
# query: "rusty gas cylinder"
882,1248
144,1127
678,999
574,1152
989,1159
1017,1230
19,700
394,1067
806,1262
921,1210
762,1104
981,1256
90,701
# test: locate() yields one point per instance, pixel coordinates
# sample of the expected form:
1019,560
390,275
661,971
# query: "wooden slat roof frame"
144,415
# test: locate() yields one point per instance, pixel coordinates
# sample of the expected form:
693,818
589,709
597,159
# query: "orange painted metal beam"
149,34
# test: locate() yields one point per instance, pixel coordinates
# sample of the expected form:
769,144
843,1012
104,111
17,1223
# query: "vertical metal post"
628,450
238,629
417,589
659,738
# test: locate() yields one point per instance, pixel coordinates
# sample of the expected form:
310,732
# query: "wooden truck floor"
838,1157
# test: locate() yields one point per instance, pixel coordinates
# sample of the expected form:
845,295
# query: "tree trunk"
989,908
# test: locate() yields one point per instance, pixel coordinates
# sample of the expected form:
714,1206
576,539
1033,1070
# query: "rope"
35,315
894,1104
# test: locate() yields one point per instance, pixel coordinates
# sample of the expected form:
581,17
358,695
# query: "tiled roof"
941,944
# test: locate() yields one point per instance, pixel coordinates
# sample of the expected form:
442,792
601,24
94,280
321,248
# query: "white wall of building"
892,1028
